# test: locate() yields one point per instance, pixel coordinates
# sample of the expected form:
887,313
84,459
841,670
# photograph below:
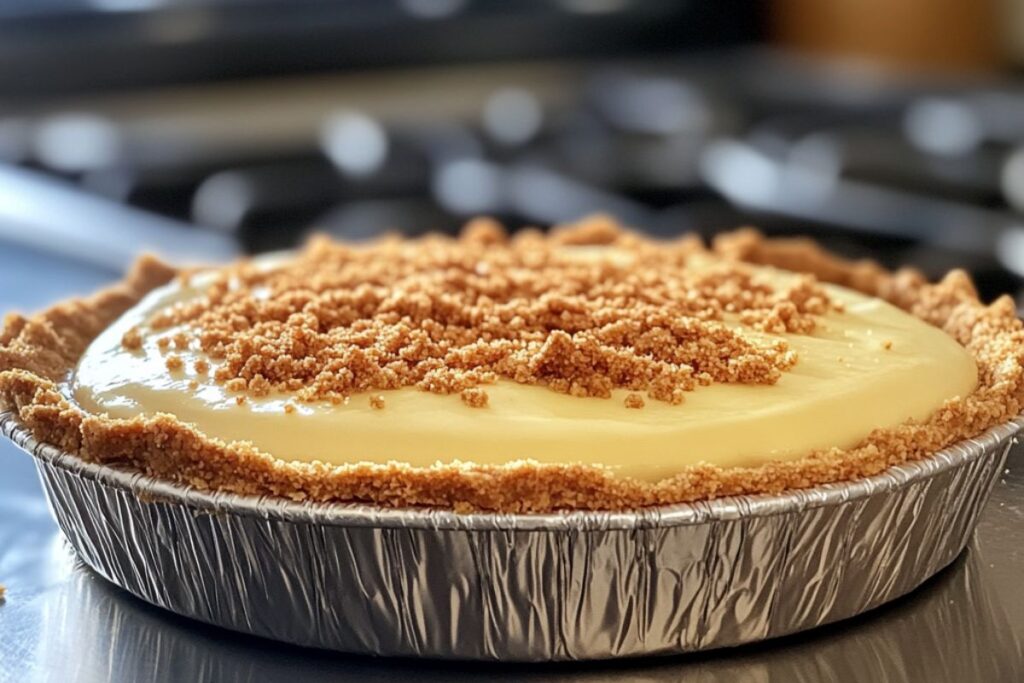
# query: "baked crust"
37,353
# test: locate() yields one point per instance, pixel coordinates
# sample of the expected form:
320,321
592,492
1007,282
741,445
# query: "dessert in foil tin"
589,368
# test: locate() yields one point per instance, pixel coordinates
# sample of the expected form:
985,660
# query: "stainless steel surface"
62,622
43,213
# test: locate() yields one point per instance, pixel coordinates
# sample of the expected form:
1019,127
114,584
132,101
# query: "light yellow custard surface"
869,367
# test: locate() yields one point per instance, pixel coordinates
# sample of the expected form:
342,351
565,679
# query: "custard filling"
867,366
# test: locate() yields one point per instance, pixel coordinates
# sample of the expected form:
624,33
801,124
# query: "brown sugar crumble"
634,401
289,408
132,339
448,316
235,385
174,363
887,344
475,397
38,352
377,402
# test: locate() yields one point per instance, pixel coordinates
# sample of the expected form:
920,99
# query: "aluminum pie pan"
523,587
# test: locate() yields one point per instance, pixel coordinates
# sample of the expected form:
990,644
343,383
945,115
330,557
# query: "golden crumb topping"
634,400
583,312
475,397
132,339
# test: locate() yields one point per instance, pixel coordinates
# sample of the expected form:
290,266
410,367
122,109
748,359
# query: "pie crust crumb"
132,339
475,397
634,400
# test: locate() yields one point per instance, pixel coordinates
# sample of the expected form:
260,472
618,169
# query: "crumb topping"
634,400
132,339
475,397
449,316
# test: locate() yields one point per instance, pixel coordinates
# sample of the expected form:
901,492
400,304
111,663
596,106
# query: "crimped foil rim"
361,515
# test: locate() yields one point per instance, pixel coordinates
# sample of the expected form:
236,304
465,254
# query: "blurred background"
203,129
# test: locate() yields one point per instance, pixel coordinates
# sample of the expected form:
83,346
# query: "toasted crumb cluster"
634,400
132,339
584,312
37,353
475,397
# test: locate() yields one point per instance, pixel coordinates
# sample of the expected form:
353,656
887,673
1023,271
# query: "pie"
587,368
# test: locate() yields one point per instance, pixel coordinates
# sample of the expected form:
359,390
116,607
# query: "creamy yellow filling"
871,366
